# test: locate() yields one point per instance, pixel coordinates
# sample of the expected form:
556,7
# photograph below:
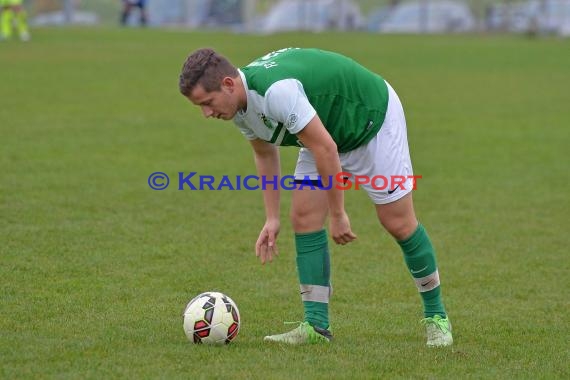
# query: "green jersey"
286,88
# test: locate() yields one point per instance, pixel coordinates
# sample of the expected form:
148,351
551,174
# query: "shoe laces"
438,321
312,334
302,326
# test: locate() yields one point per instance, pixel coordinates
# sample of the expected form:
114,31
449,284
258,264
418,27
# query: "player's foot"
303,334
438,331
25,36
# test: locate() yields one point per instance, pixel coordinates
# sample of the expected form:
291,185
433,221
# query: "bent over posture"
345,119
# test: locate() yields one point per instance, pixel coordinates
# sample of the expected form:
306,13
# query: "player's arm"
288,103
316,138
268,166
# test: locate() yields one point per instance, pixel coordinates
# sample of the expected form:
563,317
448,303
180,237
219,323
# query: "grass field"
96,268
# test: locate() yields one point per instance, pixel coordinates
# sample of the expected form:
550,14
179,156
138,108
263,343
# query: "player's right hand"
266,245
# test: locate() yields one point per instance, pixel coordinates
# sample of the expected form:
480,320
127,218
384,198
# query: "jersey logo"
291,120
266,121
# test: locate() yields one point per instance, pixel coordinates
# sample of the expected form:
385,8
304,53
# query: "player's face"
221,104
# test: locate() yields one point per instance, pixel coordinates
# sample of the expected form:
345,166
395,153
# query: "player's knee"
298,219
304,220
399,228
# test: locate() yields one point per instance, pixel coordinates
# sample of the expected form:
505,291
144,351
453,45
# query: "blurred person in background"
13,14
128,6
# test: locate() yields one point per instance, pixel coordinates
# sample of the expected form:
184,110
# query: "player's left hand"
340,229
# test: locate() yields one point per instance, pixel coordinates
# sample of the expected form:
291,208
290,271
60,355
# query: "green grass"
95,268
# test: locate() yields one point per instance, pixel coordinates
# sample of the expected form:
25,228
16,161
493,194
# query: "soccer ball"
211,318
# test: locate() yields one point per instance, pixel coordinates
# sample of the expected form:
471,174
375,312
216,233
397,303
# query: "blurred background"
270,16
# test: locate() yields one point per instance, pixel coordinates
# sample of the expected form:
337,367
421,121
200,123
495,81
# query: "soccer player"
13,11
345,119
128,6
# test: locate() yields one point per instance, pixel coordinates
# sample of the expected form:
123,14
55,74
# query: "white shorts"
384,161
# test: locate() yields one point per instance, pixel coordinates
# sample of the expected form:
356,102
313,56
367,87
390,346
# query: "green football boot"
303,334
438,331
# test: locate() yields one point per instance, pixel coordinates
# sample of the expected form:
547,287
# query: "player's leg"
398,218
308,214
387,157
21,17
143,15
6,18
126,12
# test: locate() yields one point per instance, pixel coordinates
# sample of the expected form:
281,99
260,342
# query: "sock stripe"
315,293
427,283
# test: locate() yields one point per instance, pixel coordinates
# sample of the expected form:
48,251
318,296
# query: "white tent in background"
433,16
311,15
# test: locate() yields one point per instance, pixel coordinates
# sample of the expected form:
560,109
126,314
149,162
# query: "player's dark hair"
205,67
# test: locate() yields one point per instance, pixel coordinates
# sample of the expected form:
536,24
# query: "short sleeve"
286,102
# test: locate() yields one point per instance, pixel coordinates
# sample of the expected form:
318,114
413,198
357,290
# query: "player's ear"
229,83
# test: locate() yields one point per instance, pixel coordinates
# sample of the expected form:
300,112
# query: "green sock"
420,259
313,266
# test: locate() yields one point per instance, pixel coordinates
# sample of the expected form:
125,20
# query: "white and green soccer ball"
211,318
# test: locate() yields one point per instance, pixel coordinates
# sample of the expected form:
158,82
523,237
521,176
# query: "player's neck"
241,94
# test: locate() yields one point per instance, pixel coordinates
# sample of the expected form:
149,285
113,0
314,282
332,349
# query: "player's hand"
340,229
266,245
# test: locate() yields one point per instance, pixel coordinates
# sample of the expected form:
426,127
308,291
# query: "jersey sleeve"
288,104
